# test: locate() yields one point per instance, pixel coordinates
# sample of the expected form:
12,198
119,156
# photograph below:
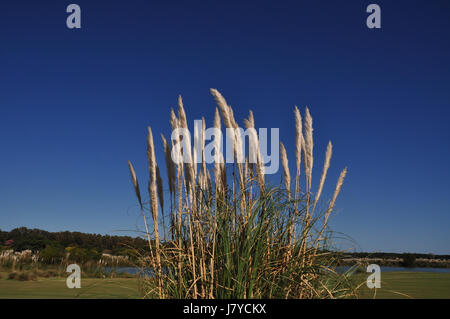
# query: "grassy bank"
394,285
55,287
417,285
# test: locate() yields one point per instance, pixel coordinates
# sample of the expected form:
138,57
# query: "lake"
134,270
397,269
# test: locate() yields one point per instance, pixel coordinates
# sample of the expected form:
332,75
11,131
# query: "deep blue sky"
74,104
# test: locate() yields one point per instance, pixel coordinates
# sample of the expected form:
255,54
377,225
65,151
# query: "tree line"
395,255
23,238
92,245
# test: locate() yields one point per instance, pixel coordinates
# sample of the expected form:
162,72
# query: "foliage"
52,254
409,260
37,240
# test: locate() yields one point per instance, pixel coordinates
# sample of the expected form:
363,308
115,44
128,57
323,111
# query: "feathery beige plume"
235,133
152,165
286,173
255,150
218,156
195,150
202,146
135,183
169,165
336,193
298,141
173,120
309,146
160,189
223,106
188,167
326,165
181,113
175,123
152,171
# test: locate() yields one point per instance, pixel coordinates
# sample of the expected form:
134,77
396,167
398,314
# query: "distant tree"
409,260
78,255
93,254
52,254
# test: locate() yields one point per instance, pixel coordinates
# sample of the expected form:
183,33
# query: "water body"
128,270
134,270
397,269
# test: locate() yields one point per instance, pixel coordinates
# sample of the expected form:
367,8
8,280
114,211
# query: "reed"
235,235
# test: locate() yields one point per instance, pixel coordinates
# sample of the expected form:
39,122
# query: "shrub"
409,260
50,273
52,254
22,276
43,273
26,276
13,275
234,235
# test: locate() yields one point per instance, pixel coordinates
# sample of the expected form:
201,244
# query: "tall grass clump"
230,234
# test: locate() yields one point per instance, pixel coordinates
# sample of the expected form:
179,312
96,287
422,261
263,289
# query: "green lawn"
56,288
414,284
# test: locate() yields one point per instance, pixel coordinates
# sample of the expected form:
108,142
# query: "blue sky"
75,104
